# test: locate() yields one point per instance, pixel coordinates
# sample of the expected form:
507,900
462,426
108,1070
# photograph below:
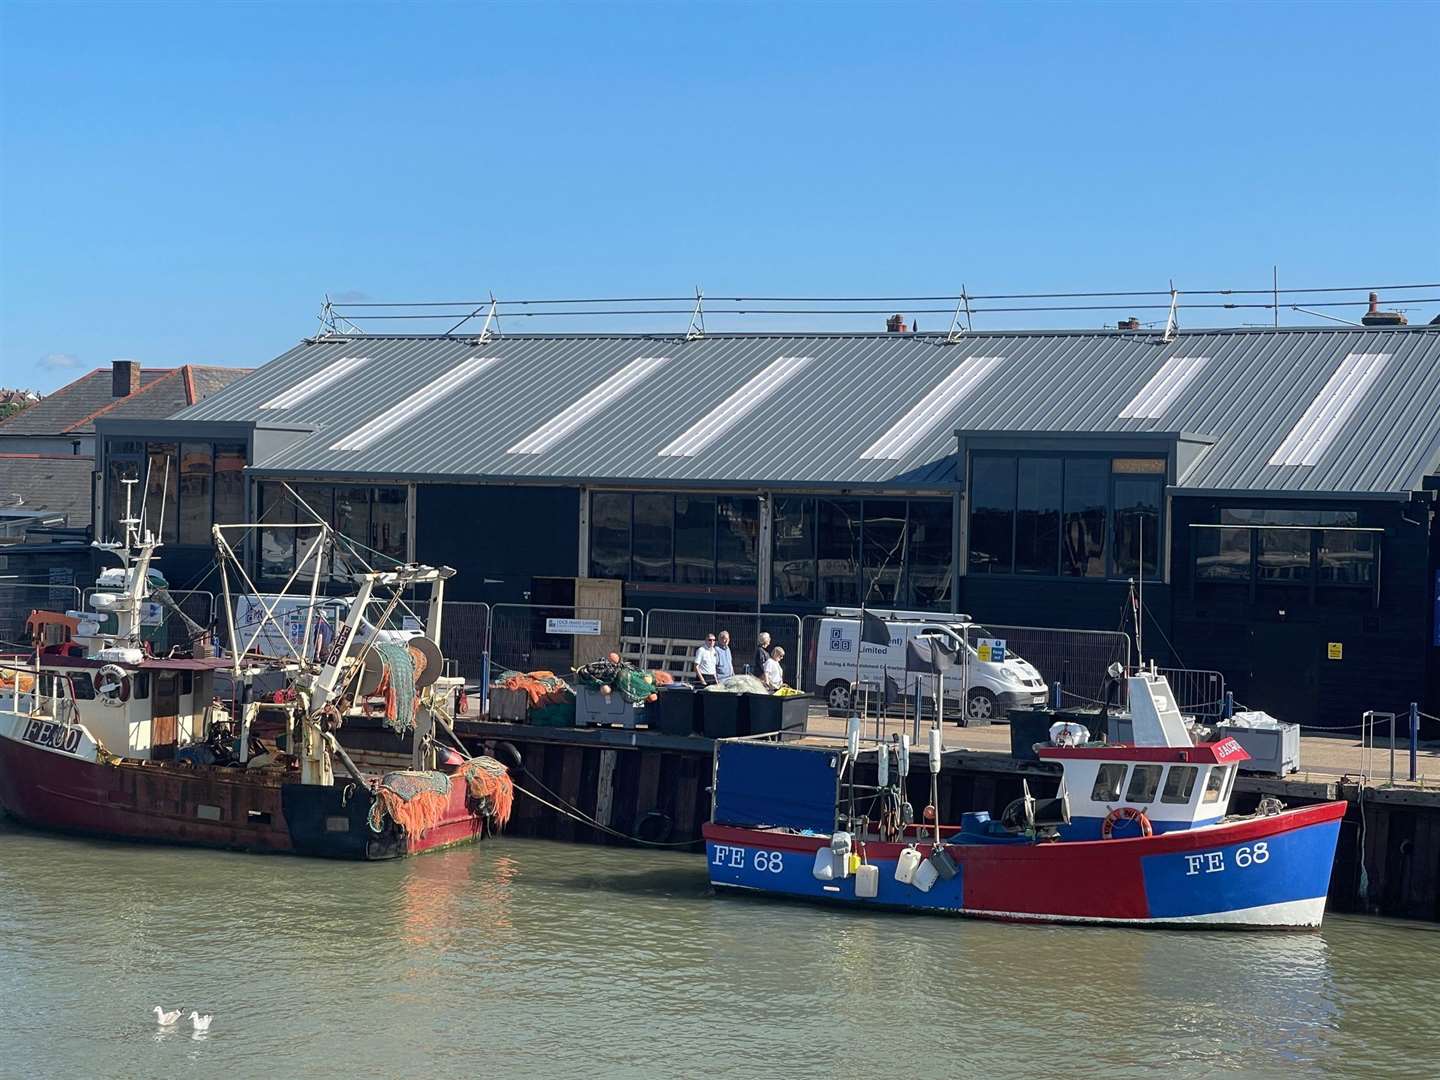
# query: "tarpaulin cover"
792,787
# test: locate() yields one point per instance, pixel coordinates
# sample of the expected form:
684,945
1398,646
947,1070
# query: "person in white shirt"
705,657
774,673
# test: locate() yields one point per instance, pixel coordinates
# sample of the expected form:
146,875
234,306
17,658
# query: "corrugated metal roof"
815,428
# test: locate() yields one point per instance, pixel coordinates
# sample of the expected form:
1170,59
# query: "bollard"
1229,704
1058,706
1414,737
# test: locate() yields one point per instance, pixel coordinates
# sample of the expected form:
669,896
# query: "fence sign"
587,627
991,650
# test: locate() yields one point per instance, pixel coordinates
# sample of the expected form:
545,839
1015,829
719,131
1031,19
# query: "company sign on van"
839,640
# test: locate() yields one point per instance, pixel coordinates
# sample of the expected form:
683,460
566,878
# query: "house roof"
54,482
73,409
1313,410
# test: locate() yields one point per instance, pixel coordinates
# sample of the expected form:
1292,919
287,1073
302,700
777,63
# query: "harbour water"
530,959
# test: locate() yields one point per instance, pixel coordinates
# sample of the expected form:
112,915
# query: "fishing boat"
100,738
1137,834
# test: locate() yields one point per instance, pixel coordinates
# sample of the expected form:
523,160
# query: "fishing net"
541,687
739,684
415,801
489,784
397,687
632,683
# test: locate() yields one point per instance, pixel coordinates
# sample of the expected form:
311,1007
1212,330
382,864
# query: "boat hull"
210,807
1270,872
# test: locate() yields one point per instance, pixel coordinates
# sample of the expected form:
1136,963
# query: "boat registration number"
735,858
62,737
1213,862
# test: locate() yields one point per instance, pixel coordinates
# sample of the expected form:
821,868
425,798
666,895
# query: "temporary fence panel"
465,637
1078,659
558,637
1197,693
18,599
673,634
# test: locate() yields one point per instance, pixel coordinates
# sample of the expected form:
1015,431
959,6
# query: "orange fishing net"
490,785
416,801
540,686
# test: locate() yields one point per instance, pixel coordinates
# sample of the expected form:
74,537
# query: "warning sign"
990,650
1335,650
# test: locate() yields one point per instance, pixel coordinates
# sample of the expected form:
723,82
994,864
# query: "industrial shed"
1274,488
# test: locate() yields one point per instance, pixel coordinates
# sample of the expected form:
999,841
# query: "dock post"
1229,704
1058,705
1414,737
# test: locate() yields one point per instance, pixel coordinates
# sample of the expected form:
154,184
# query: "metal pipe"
1414,737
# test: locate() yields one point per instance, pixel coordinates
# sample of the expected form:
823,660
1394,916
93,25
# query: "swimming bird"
201,1023
165,1019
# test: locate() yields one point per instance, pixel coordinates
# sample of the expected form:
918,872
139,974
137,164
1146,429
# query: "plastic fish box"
511,705
1028,727
1273,751
592,708
675,710
765,713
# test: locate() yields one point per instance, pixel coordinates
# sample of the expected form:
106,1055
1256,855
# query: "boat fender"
944,865
842,846
867,881
882,768
507,753
906,865
904,757
112,685
824,869
937,750
654,828
925,875
1125,813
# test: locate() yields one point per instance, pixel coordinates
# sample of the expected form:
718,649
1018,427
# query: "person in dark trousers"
705,662
762,654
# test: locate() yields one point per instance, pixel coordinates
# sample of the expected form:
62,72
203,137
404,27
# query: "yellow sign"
1335,650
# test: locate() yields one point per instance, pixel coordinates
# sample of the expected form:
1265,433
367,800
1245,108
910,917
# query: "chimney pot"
1132,323
1376,317
895,324
124,377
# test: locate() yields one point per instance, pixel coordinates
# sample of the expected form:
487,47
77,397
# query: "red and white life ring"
1125,813
112,685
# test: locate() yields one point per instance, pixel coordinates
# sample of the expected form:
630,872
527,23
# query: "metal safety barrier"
1077,659
558,637
673,634
1197,693
465,637
18,599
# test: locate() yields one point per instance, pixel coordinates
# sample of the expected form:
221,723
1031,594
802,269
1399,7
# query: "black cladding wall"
508,535
1275,651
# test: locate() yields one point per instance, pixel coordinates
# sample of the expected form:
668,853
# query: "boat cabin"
1118,790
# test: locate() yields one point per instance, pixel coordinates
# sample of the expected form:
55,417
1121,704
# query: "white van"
292,612
991,689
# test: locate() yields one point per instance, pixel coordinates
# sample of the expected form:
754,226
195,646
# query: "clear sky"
183,182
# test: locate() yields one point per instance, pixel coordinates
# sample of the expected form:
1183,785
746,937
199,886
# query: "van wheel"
980,705
837,696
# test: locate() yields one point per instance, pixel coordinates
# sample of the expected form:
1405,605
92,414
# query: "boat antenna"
1140,598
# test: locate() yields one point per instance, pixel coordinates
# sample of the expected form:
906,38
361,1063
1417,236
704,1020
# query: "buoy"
652,697
605,690
614,658
649,679
929,813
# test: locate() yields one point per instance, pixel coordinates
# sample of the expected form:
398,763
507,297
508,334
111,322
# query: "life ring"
1126,813
112,685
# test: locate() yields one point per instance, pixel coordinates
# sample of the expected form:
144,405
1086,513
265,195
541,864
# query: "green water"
519,959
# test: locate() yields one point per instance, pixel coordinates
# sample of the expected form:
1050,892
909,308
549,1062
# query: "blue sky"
182,182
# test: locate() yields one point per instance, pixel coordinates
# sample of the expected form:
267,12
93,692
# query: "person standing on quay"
705,659
774,673
724,662
762,655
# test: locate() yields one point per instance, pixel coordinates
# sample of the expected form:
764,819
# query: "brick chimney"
124,377
1376,317
895,324
1132,323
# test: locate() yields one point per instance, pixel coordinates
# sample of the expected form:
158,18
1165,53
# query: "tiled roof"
73,408
57,482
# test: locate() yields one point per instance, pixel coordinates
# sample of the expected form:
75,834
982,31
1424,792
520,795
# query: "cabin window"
140,686
187,682
1108,783
1144,782
1179,784
83,688
1215,785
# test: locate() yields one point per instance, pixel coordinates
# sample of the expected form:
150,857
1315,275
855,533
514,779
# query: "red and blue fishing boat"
1136,834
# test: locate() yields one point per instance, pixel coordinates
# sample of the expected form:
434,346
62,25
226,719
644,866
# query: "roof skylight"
1338,398
563,423
415,404
315,382
932,408
735,407
1163,387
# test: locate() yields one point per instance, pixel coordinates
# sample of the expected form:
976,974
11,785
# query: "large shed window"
660,538
1087,516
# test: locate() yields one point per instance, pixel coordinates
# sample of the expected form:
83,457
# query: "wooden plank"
604,787
568,788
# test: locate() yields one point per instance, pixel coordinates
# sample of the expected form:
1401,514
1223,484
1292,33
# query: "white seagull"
165,1019
201,1023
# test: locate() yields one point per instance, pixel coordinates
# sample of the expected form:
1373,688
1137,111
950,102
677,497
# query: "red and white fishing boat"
1137,834
99,738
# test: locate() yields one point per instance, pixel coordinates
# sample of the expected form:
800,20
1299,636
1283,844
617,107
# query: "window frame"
1097,793
1315,590
1149,768
1159,474
1193,771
